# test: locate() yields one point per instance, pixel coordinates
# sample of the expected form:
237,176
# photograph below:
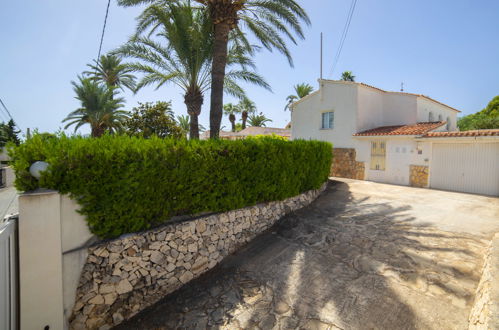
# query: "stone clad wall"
126,275
345,164
418,176
485,312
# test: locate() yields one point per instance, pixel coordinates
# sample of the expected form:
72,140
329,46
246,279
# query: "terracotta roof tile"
418,129
252,130
482,132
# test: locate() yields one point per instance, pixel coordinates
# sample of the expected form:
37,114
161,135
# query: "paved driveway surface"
363,256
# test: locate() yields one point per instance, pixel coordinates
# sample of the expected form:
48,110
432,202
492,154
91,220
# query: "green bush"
128,184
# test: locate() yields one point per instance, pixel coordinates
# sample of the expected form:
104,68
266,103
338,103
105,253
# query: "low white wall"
10,176
51,237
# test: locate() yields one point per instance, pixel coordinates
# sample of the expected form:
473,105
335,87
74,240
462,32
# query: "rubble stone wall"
123,276
345,164
418,176
485,312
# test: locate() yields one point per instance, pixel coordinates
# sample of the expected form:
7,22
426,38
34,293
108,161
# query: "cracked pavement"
362,256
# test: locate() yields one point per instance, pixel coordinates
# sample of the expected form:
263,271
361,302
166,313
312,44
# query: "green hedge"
128,184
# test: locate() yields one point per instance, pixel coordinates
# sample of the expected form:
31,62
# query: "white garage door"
466,167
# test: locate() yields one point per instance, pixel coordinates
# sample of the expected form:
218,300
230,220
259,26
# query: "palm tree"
258,120
112,72
269,21
231,110
99,108
347,76
301,90
183,55
184,123
247,107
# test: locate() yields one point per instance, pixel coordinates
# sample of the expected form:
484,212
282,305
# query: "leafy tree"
301,90
112,72
259,120
150,119
488,118
493,107
269,21
9,133
347,76
247,107
182,54
231,110
99,108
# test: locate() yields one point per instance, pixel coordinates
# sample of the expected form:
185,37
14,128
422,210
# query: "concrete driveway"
363,256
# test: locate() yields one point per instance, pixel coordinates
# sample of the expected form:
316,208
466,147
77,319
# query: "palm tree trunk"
244,118
97,131
232,119
217,77
193,99
194,127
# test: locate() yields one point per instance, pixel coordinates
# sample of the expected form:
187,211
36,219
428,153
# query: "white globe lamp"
37,168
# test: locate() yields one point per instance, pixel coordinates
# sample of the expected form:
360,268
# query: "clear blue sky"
447,49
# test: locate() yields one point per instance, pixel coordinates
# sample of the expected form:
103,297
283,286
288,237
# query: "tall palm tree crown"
99,108
347,76
259,120
271,22
112,72
231,110
301,90
181,53
247,107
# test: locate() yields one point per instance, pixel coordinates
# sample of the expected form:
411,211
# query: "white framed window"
447,126
327,120
431,118
440,118
378,155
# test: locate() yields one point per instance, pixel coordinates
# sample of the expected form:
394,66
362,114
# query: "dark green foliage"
9,133
149,119
488,118
127,184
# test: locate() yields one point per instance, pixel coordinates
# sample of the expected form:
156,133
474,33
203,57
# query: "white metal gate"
466,167
8,274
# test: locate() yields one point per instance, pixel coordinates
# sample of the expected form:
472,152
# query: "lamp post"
37,168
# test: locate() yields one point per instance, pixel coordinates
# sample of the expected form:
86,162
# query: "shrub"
127,184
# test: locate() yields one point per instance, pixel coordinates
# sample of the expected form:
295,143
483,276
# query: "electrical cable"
344,35
103,31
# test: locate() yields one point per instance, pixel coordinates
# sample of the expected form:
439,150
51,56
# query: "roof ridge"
394,92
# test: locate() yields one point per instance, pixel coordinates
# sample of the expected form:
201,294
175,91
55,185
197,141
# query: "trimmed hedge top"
128,184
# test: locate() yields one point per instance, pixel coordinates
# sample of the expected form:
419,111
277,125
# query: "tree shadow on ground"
344,262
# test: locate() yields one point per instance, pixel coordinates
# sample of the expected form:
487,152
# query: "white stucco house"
398,138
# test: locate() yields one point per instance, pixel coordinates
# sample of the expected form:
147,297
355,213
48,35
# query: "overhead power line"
344,35
103,30
8,113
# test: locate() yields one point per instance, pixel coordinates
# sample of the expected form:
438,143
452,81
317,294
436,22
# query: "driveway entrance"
363,256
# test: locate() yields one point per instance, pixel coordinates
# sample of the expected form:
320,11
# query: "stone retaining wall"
126,275
418,176
345,164
485,312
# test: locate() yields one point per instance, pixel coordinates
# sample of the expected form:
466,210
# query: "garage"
465,164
